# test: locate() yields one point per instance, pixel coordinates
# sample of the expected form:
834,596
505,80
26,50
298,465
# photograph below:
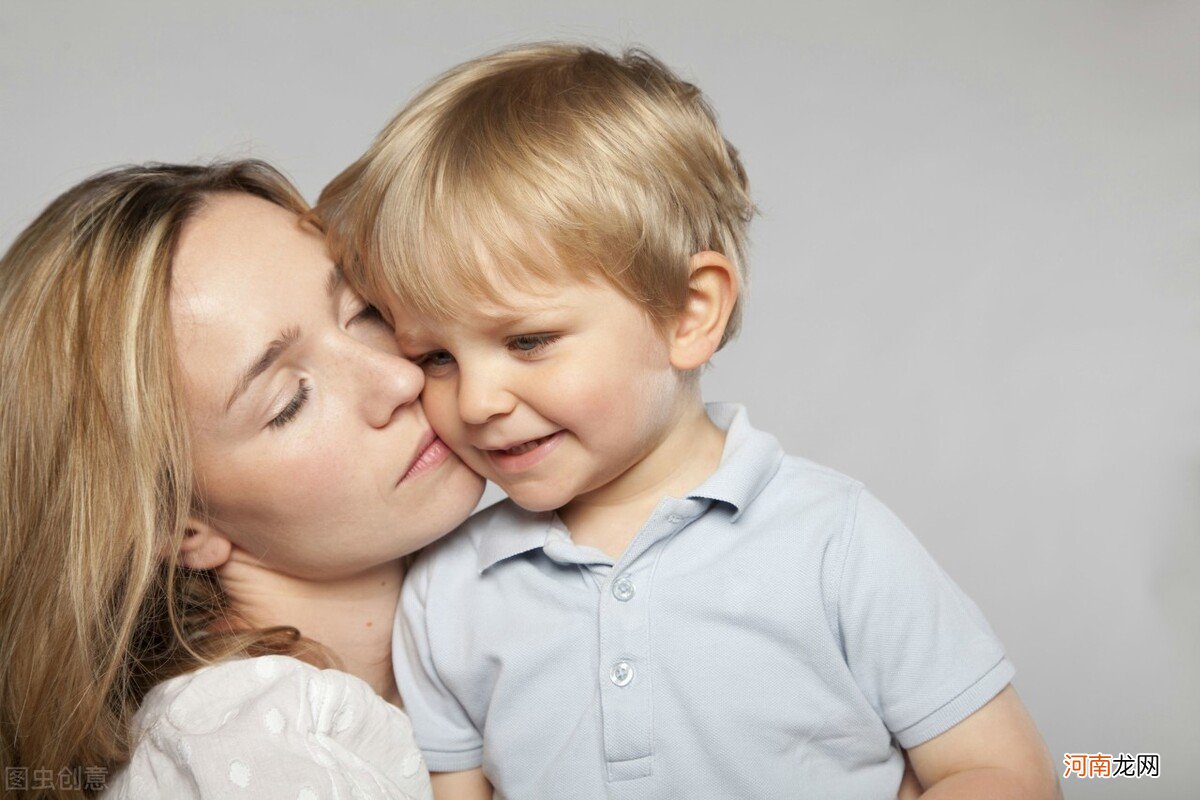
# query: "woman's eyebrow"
269,356
279,346
334,281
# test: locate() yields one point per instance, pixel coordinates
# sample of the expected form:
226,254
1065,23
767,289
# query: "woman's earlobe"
712,292
203,546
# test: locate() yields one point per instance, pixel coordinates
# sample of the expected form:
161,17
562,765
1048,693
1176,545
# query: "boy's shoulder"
806,500
798,481
756,475
798,469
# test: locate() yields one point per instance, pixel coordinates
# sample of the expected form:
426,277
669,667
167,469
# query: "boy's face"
553,394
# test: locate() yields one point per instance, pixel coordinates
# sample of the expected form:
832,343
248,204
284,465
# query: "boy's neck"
351,617
609,518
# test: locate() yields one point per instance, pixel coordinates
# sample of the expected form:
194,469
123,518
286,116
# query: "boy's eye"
530,343
434,360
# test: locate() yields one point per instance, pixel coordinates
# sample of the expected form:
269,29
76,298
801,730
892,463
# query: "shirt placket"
624,671
626,690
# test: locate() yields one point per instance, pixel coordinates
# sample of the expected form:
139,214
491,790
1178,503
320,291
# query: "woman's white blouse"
266,728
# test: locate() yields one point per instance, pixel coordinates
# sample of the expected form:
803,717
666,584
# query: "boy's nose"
480,398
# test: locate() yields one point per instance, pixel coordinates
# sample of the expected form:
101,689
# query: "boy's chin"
537,499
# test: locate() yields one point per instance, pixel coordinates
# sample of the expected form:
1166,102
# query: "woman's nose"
393,382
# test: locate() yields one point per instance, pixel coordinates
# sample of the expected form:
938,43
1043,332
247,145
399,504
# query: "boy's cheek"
441,410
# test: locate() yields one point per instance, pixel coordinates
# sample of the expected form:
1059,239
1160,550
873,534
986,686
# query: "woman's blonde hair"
95,468
541,161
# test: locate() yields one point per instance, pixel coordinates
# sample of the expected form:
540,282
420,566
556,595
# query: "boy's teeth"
523,448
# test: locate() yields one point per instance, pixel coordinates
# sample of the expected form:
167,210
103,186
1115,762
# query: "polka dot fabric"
267,728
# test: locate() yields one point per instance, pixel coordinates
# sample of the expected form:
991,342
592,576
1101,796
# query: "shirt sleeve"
445,733
919,649
272,727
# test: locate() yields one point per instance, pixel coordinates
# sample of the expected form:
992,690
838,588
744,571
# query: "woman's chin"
452,499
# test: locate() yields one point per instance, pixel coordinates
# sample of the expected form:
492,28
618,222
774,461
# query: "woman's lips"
524,455
433,454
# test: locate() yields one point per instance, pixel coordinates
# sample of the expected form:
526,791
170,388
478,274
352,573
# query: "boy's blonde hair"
540,162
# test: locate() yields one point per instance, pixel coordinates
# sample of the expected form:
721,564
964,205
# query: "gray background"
975,279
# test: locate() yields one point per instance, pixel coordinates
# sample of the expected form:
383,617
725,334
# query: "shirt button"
623,589
674,519
622,673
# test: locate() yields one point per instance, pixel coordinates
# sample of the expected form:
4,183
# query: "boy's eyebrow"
502,319
509,316
494,319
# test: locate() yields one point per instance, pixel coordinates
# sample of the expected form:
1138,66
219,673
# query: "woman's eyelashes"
293,407
369,313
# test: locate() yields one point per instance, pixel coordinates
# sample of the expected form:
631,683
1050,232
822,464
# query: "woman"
212,465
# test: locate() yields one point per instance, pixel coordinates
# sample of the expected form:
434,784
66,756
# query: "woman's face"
312,453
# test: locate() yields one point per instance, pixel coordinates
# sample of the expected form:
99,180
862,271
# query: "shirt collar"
511,531
749,460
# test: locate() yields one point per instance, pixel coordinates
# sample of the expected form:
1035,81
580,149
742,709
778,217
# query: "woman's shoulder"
212,697
270,726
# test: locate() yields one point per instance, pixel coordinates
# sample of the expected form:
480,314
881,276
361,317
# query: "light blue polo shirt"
774,634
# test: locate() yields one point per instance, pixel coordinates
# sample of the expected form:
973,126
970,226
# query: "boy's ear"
204,547
712,291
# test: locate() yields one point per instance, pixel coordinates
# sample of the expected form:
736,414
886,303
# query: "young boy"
666,605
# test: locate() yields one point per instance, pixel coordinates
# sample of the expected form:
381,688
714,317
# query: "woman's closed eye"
293,407
368,313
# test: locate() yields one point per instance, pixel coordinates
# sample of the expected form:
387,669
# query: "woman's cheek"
323,471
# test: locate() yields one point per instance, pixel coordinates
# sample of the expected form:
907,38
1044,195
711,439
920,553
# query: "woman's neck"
351,616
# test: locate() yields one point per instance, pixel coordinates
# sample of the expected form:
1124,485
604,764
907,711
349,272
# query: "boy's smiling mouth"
523,455
523,448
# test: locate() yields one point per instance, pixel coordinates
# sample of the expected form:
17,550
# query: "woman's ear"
697,331
204,547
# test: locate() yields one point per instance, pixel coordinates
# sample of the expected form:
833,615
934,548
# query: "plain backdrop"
975,277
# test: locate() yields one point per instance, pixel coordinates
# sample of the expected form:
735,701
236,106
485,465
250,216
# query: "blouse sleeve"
271,727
